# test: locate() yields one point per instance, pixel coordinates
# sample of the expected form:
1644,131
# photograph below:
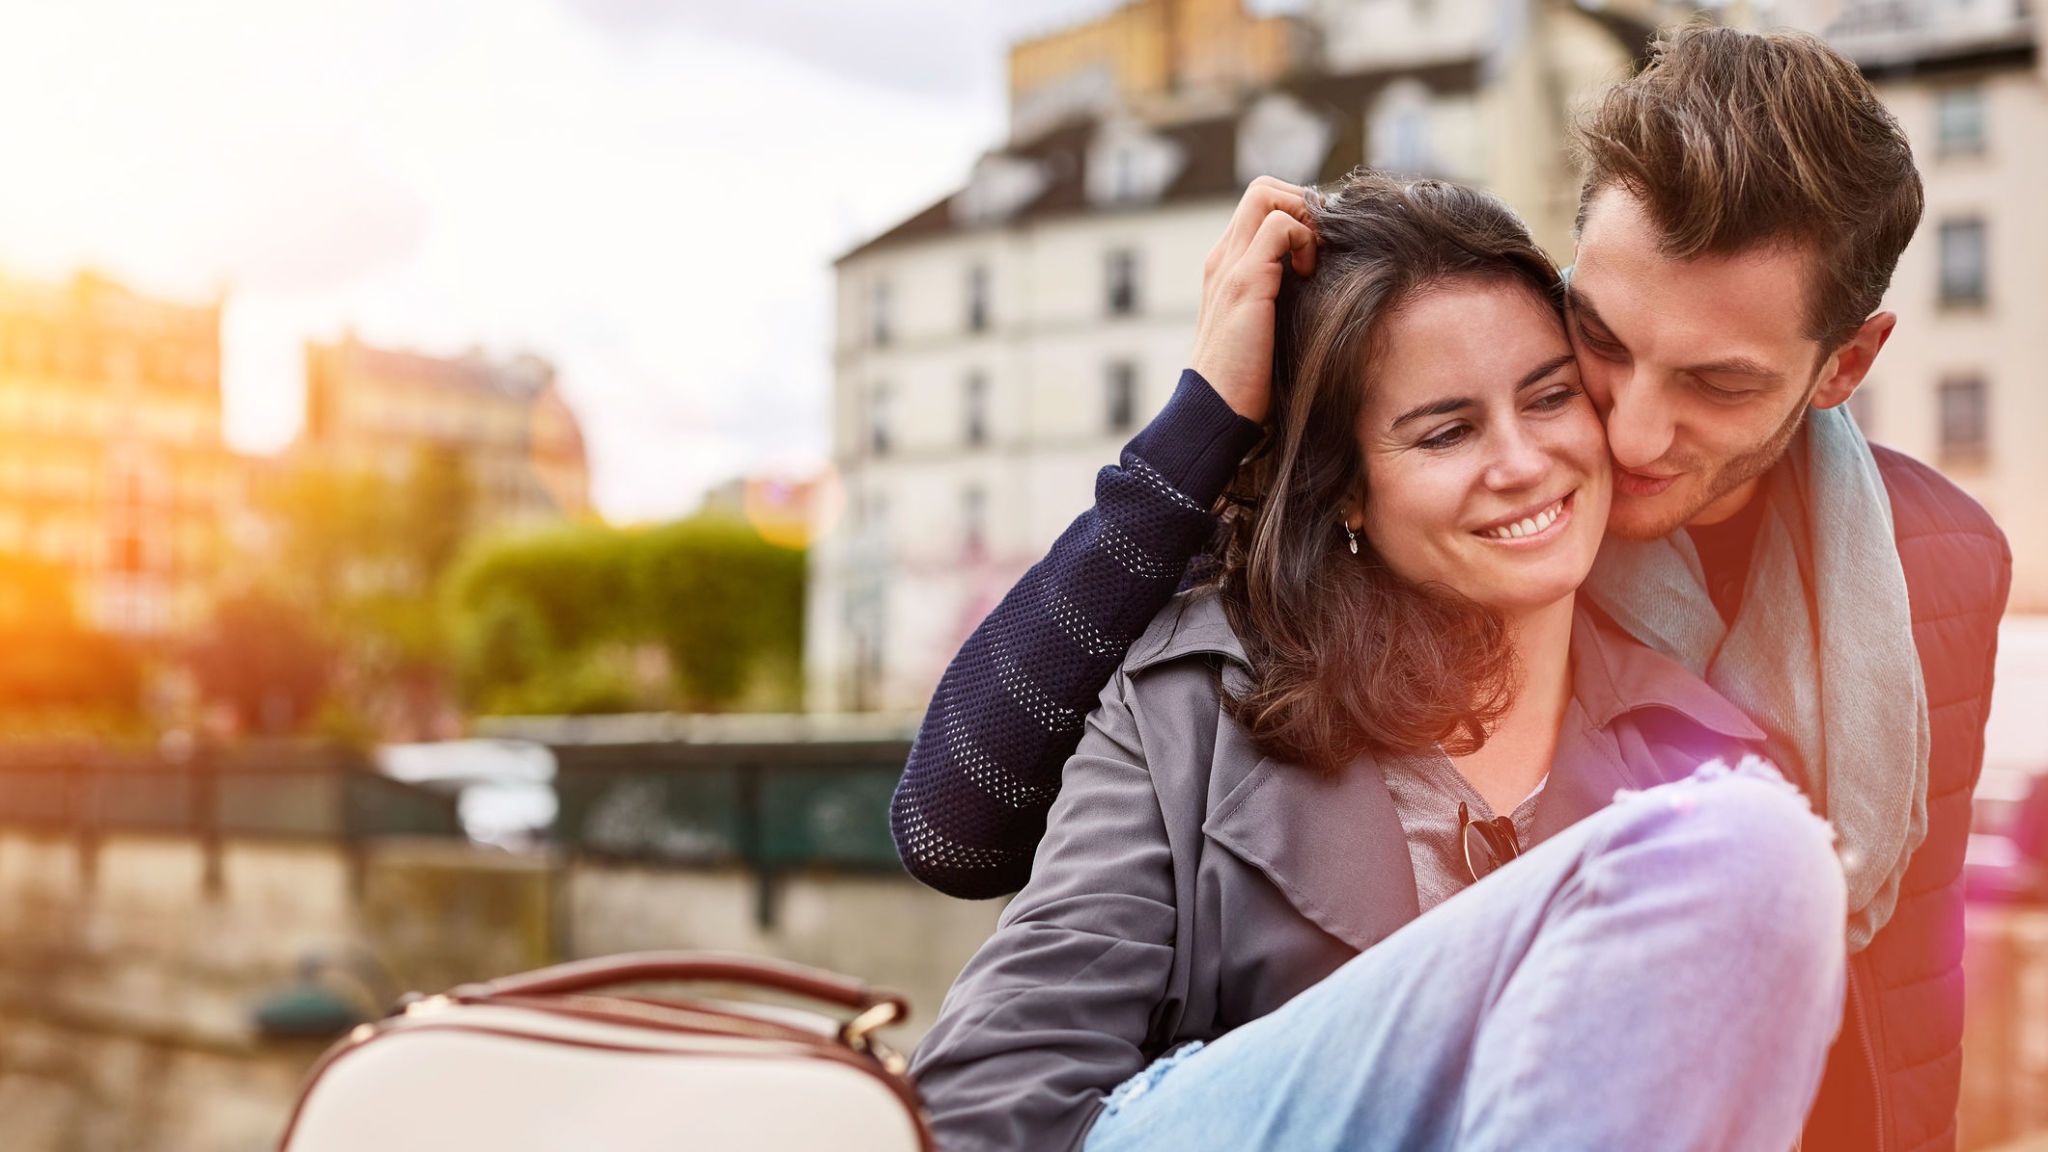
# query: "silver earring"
1348,532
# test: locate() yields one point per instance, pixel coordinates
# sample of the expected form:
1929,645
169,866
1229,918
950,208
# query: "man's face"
1701,368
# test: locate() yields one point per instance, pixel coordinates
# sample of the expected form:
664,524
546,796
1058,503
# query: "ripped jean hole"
1149,1078
1753,766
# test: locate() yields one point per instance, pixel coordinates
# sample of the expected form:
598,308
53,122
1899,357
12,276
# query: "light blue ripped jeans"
1667,973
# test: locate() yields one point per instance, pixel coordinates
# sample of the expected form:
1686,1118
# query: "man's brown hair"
1736,139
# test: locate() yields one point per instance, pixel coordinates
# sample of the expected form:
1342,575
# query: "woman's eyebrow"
1452,404
1537,373
1434,408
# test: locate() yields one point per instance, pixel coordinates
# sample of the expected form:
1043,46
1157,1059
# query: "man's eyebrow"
1452,404
1578,303
1725,366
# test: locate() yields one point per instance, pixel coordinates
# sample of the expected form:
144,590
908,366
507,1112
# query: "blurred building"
378,410
1154,58
112,465
994,350
1959,383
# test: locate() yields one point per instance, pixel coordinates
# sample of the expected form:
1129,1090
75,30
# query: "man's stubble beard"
1729,476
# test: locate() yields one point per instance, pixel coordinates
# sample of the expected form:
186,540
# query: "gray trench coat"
1188,884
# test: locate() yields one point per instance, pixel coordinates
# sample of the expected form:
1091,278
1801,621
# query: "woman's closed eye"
1449,437
1556,398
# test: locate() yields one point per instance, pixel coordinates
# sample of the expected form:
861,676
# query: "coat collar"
1192,622
1333,845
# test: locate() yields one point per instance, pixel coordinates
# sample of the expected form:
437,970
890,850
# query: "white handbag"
561,1059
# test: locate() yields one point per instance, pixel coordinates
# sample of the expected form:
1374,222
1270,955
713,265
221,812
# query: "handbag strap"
691,967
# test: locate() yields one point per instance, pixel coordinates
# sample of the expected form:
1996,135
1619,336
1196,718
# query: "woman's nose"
1520,462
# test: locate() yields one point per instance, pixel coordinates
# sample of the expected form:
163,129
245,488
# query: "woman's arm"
985,767
1053,1010
986,764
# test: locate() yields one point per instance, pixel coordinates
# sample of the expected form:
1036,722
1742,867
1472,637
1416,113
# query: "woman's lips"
1641,484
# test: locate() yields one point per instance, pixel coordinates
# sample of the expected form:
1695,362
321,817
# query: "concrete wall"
887,930
129,977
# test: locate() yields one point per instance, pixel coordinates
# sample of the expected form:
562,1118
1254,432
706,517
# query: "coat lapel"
1332,845
1583,777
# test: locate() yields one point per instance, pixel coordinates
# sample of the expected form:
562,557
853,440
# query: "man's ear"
1846,369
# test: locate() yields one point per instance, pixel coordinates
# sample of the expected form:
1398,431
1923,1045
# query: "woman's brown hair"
1346,656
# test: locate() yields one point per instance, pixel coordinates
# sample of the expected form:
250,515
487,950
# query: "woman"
1240,930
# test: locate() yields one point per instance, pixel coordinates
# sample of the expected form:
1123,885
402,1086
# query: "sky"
649,193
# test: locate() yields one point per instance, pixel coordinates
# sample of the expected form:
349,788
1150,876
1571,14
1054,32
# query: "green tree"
263,657
562,621
361,555
727,606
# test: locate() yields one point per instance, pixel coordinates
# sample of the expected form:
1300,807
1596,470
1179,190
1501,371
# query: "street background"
484,484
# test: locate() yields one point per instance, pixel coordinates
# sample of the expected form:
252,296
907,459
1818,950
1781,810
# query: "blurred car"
2007,857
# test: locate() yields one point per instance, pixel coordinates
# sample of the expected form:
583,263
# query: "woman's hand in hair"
1240,283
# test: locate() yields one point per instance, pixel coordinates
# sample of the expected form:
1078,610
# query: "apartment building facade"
377,410
112,464
1959,383
995,350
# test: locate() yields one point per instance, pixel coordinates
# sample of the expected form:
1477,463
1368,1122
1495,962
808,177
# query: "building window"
878,314
1122,396
878,420
875,518
1398,135
974,523
976,407
1123,282
977,298
1959,122
868,671
1962,262
1965,423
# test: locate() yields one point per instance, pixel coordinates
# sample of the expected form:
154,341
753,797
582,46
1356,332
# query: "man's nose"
1639,429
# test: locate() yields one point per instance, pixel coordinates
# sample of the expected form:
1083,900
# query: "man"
1746,200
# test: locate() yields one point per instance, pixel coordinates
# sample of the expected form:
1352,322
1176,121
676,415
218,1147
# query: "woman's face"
1486,468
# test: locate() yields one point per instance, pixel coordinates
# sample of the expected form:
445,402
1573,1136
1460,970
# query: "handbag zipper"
1869,1055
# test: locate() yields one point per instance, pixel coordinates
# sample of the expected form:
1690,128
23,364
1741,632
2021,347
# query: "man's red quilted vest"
1895,1073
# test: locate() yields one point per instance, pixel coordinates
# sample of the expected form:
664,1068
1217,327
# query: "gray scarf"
1821,655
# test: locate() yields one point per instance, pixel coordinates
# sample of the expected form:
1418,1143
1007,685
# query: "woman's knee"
1751,845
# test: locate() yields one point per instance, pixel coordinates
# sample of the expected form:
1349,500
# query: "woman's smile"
1531,529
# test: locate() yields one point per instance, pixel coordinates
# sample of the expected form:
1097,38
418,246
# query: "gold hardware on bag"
856,1031
429,1005
858,1034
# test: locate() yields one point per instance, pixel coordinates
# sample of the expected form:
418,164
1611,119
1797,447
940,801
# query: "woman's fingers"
1280,236
1268,232
1261,198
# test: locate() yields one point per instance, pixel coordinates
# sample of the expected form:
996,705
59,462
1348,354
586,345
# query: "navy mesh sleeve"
970,808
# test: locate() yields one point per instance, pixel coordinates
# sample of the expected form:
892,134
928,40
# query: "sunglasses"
1497,842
